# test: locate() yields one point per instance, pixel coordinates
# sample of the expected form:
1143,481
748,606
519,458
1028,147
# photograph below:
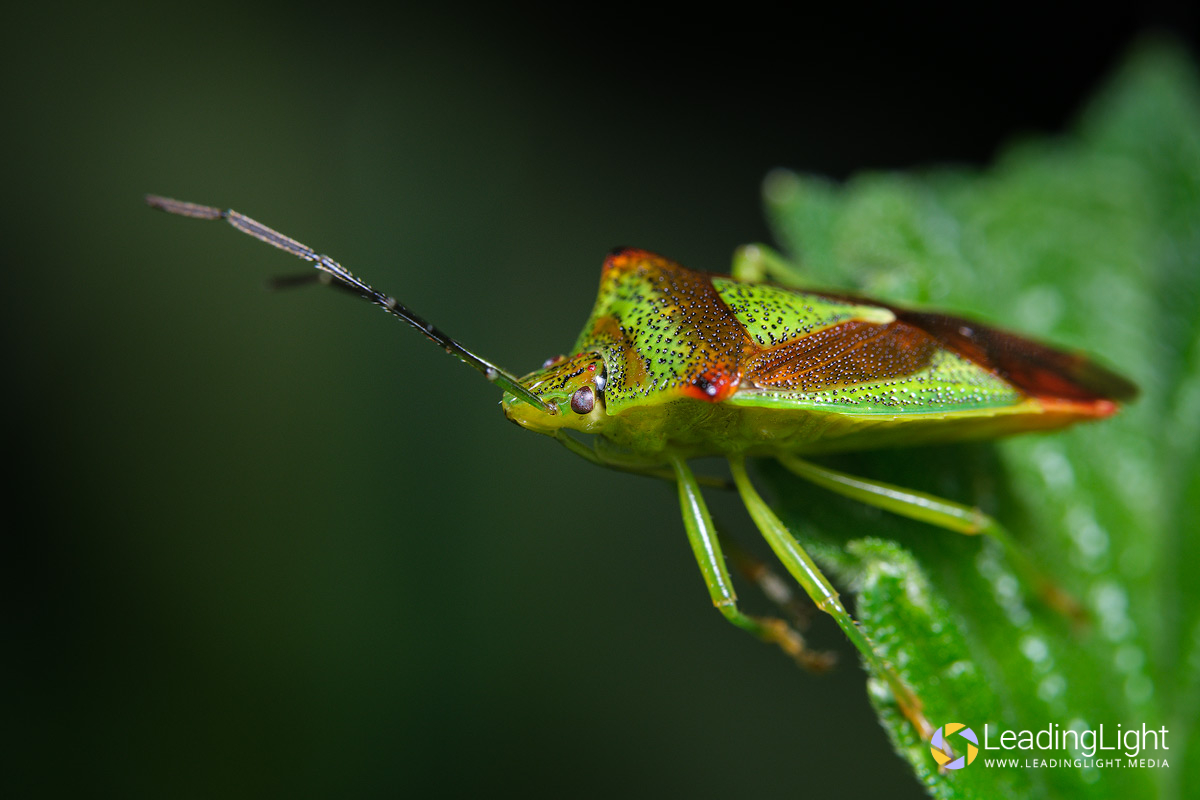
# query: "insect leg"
702,534
757,262
818,587
769,582
942,513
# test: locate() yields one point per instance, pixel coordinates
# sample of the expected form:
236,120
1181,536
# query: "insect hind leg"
943,513
757,263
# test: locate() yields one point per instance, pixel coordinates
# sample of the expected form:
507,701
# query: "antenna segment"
333,271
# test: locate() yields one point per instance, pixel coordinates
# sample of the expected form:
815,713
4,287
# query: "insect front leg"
818,587
945,514
777,589
702,534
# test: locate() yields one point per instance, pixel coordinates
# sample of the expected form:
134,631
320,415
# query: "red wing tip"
1093,409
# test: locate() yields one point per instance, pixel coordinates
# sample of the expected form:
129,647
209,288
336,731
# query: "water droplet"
1139,688
1112,605
960,667
1055,468
1129,658
1035,649
1051,687
1088,536
879,690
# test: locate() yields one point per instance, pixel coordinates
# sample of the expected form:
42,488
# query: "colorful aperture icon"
947,743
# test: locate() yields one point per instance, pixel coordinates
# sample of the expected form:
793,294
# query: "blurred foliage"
1091,241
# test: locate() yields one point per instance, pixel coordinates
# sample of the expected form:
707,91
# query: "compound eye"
583,401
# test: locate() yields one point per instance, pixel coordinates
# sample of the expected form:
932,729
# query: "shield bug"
675,364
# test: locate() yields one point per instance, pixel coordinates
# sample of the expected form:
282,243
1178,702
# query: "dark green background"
267,544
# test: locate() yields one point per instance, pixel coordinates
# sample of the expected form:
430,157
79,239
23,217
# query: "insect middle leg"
944,514
818,587
702,534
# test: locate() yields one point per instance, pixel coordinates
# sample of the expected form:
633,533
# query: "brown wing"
847,354
1032,367
857,351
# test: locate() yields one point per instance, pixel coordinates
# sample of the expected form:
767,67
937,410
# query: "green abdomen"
696,428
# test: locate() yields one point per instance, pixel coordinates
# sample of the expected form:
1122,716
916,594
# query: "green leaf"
1090,241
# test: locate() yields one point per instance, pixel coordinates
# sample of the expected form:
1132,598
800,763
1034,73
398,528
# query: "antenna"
342,278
